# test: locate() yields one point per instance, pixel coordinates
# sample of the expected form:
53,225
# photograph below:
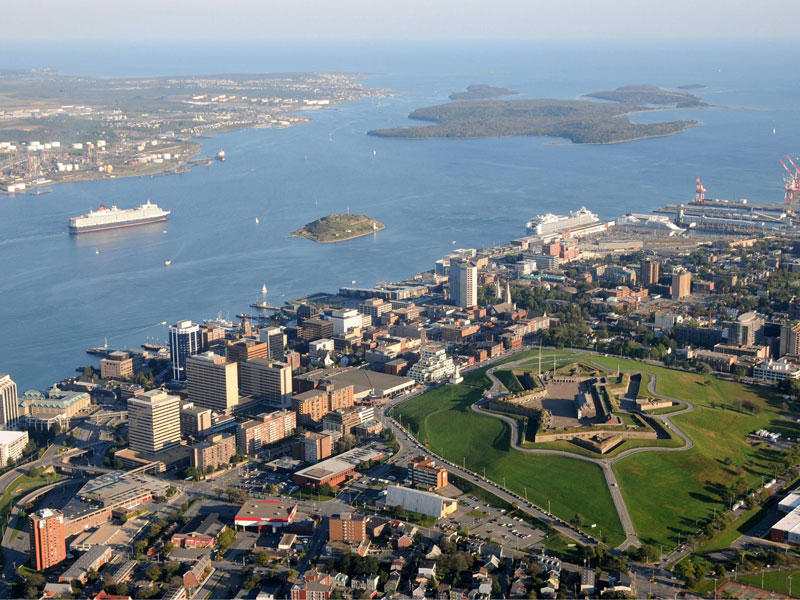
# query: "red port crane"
791,185
700,191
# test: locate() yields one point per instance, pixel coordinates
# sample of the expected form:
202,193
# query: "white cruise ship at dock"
115,218
551,224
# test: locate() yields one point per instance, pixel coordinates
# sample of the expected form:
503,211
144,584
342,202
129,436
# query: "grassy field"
668,492
777,581
509,379
673,442
443,419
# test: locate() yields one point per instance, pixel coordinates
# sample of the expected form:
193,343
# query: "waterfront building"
463,283
306,311
681,284
9,403
268,379
212,381
117,365
12,445
58,407
47,537
184,341
154,422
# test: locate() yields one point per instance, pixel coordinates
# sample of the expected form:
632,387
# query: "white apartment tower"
154,421
9,402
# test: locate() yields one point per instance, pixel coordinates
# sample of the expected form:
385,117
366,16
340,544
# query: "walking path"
606,465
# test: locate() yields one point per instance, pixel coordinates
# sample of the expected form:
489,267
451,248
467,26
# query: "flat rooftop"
9,437
344,462
257,512
382,383
118,485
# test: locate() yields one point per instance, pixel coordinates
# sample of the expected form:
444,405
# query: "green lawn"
666,492
736,529
673,442
509,379
443,419
777,581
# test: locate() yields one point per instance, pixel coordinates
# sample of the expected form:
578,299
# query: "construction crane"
792,186
700,191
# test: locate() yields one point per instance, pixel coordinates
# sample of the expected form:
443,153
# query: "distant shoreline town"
131,127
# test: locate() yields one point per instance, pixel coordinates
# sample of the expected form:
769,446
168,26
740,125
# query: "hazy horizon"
406,20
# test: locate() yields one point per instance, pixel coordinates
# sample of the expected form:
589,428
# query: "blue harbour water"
60,294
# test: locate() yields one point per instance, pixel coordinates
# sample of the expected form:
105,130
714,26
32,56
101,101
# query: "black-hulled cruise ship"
114,218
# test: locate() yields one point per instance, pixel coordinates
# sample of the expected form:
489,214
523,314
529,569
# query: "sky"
395,20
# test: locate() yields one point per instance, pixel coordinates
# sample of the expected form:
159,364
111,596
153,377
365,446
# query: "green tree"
154,572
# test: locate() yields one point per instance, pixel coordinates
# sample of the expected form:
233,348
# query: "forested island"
482,91
338,228
580,121
649,94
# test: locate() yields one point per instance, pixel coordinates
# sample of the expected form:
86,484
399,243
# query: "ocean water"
58,295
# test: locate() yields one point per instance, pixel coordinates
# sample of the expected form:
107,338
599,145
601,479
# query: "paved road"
49,458
606,465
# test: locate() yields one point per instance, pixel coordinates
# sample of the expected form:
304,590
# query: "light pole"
790,585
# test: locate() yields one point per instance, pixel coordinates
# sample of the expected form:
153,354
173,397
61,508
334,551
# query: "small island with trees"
481,91
580,121
338,228
649,95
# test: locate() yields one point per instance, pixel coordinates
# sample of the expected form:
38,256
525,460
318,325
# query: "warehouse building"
421,502
336,470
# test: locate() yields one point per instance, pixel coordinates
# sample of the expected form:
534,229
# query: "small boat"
374,153
164,231
163,323
353,282
773,131
264,290
167,263
97,251
257,221
453,242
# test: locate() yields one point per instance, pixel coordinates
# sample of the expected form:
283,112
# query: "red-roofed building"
260,513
